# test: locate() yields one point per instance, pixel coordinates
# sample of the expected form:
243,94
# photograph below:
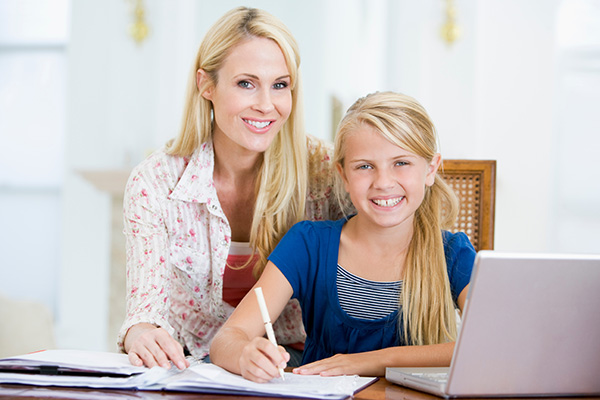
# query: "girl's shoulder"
318,227
456,239
458,249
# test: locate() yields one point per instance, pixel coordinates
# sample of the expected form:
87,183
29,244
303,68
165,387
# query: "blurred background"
89,87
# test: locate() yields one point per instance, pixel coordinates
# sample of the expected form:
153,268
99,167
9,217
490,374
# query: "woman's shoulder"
162,166
320,168
156,161
320,155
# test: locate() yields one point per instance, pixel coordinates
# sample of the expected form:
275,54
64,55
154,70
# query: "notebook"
530,327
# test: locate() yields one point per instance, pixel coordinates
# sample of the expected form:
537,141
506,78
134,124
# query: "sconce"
450,30
139,29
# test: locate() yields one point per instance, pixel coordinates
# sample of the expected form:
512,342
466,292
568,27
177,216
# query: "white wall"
514,107
496,93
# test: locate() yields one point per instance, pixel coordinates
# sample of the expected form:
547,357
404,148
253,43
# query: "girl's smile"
387,203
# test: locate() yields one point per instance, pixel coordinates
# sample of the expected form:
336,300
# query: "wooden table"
377,390
382,389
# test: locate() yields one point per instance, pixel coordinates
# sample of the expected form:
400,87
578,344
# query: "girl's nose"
384,179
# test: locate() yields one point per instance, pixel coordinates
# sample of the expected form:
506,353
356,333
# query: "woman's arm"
374,363
239,346
148,284
152,346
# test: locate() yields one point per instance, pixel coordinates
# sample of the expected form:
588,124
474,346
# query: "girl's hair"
282,177
428,314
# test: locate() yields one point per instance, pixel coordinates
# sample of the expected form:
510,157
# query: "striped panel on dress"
365,299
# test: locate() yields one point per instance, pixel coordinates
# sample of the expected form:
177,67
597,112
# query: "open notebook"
531,327
103,370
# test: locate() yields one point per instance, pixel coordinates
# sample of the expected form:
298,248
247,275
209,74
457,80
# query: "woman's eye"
401,163
245,85
280,85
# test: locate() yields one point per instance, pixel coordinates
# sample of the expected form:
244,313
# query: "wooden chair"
474,182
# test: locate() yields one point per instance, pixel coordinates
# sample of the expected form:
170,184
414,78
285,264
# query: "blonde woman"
203,213
378,288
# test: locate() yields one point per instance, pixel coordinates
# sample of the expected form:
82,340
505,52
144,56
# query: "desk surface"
375,391
381,389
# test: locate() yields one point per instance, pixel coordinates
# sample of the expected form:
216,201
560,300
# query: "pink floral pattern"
178,241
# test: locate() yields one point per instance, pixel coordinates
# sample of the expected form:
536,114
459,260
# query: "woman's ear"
433,167
204,81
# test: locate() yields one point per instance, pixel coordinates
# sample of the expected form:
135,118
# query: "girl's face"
252,98
386,183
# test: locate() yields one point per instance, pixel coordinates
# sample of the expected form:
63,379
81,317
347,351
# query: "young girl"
378,288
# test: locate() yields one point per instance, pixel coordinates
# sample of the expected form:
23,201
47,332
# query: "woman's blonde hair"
282,177
427,308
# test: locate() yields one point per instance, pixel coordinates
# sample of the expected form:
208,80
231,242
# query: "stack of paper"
73,362
69,368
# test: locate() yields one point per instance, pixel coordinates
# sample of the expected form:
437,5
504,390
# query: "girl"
203,213
378,288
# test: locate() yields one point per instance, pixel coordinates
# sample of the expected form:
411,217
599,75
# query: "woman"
203,214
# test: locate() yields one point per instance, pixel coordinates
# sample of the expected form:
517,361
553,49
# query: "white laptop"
531,327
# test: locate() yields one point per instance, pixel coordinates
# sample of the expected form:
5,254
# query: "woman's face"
252,98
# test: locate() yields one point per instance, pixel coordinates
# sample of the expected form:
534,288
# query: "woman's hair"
282,177
428,312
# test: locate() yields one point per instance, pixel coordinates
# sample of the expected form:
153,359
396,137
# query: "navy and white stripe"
366,299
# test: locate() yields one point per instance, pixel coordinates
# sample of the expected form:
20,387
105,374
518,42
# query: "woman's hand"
152,346
260,360
365,364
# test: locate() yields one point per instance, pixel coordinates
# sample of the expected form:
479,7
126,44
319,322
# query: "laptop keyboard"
440,377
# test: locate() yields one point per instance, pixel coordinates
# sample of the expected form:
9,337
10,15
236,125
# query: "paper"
199,377
207,376
75,360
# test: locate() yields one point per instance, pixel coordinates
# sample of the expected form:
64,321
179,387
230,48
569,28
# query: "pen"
267,320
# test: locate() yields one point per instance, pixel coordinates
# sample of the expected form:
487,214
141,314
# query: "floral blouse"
178,240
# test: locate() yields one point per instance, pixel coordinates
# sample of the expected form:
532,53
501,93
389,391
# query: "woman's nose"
264,102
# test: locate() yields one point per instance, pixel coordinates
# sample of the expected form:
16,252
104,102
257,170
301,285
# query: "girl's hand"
365,364
260,360
151,346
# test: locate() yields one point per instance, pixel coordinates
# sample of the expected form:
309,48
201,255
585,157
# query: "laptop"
530,327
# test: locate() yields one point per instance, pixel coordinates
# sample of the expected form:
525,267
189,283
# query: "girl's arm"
240,346
374,363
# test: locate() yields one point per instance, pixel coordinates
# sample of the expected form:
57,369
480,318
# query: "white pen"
267,320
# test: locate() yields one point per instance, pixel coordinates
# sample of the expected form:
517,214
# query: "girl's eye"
245,85
364,166
280,85
401,163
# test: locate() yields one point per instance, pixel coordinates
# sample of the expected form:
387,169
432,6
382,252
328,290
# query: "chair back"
474,182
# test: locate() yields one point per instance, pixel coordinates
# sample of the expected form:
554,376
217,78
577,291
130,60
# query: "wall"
493,94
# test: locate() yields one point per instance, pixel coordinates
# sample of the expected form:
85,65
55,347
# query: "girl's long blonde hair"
282,178
427,309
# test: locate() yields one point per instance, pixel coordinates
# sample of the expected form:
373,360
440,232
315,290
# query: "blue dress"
307,256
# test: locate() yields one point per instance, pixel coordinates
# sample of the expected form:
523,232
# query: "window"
33,40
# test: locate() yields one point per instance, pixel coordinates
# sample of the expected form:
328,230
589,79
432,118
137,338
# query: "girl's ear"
340,170
432,169
203,80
